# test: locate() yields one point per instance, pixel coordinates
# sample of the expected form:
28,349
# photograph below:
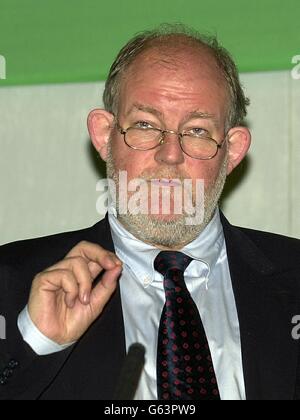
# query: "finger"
61,280
102,293
79,267
95,253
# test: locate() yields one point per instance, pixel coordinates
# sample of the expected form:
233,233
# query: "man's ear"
239,142
100,124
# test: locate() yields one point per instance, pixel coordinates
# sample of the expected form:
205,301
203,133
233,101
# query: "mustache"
163,174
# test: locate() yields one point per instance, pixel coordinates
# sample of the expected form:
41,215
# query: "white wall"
48,172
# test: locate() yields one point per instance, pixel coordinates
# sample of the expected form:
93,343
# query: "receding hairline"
170,47
168,38
166,53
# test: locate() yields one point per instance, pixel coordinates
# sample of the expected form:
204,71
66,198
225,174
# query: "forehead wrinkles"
180,64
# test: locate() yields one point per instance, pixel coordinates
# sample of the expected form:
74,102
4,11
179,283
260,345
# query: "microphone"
131,373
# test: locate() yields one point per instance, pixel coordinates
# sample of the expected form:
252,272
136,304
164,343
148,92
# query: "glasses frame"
180,137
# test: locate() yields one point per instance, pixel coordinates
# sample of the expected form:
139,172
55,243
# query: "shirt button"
147,281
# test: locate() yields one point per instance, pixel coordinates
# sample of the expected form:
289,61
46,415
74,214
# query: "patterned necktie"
184,364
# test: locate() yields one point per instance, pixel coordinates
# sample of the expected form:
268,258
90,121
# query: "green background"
53,41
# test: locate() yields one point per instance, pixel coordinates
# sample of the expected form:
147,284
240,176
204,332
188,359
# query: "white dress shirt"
143,297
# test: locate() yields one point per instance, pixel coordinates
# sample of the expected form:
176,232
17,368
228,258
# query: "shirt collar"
207,246
139,257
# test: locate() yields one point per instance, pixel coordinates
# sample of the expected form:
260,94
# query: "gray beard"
163,233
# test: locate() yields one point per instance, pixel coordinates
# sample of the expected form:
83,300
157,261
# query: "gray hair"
172,35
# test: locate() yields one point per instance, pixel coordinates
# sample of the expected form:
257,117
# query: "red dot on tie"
184,334
176,382
188,369
165,385
175,371
202,381
179,300
178,289
203,391
187,357
189,380
197,346
175,359
164,374
185,346
190,391
215,392
178,393
182,323
213,381
166,395
174,347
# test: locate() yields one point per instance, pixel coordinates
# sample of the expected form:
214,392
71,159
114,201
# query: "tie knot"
171,260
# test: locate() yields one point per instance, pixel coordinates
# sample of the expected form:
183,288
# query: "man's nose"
170,151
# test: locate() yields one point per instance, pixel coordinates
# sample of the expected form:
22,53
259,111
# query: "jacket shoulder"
281,250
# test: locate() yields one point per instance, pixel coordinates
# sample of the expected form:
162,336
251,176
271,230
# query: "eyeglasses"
196,145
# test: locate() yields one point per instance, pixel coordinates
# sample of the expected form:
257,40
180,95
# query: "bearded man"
211,303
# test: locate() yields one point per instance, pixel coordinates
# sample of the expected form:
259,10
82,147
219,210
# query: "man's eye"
142,124
197,131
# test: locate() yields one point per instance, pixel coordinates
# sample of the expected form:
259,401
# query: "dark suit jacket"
265,270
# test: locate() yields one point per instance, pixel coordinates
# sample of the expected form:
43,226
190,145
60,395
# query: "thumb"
102,293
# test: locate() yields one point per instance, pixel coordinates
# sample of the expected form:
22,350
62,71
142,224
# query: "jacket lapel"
266,305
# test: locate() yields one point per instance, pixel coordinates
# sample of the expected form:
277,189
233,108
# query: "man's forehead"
188,69
187,72
172,57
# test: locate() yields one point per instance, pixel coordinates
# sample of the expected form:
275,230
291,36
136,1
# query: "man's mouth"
165,182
